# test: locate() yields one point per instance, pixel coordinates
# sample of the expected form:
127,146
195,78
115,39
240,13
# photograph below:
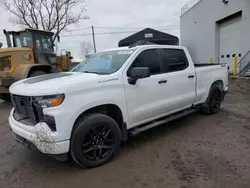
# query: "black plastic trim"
124,131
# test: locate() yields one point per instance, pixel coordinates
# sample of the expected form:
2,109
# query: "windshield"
44,43
23,40
104,62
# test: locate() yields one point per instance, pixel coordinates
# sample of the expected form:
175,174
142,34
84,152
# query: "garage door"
230,41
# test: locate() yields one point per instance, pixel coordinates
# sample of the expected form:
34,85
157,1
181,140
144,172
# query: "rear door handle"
191,76
162,81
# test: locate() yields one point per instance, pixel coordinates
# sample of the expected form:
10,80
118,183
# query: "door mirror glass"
138,73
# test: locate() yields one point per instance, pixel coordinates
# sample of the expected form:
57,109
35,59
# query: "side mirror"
138,73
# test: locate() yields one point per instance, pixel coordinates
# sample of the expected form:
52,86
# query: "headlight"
50,101
26,56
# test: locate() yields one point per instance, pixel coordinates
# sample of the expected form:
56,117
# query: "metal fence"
188,6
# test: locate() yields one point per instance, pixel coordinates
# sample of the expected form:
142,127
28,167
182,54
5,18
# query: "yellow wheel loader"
30,52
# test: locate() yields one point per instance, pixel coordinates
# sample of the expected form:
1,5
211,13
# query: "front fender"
22,70
120,104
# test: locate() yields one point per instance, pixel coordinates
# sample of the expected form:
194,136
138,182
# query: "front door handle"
191,76
162,81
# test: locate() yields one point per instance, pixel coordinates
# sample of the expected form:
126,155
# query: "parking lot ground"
196,151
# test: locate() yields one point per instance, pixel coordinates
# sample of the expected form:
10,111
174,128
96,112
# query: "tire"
95,140
213,102
5,97
37,73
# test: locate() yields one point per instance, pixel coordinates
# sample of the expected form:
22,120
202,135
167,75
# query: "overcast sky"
158,14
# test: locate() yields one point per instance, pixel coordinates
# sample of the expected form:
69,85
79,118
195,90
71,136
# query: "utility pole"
93,34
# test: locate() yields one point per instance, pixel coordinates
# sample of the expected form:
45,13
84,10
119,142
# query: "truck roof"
145,47
31,29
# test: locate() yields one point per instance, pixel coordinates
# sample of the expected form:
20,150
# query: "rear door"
181,81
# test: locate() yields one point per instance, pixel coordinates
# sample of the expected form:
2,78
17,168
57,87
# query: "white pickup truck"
87,112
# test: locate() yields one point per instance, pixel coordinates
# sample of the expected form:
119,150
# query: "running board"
170,118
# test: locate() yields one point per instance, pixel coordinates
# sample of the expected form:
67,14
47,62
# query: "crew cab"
87,112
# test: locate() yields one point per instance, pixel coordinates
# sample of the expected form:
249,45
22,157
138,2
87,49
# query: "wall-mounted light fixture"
225,1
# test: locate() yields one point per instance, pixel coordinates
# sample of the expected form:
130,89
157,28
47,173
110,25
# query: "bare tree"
85,48
50,15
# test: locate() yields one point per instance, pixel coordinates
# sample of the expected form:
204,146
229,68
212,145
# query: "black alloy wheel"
216,100
95,140
98,143
213,102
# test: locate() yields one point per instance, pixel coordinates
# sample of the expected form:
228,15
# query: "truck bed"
206,75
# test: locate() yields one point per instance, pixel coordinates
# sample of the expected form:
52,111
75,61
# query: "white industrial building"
218,29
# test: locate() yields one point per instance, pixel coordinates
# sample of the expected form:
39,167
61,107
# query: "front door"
145,99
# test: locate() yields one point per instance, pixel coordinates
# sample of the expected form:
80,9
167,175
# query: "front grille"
29,112
24,108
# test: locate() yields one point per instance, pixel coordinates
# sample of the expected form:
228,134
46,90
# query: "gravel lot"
197,151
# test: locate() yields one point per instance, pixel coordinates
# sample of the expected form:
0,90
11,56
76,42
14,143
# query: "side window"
38,45
150,59
44,43
174,60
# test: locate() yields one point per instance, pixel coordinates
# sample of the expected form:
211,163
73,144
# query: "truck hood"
49,84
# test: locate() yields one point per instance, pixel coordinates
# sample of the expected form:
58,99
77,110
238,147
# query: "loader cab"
40,41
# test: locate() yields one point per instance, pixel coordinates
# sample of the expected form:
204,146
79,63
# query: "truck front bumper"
39,136
3,89
6,81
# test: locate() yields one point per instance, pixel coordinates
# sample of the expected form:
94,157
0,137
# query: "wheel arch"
109,109
219,83
215,83
45,68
